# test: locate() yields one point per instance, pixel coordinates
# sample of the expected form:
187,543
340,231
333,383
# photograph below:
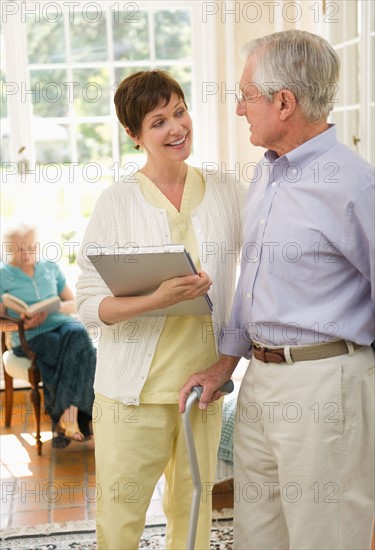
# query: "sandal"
71,431
59,441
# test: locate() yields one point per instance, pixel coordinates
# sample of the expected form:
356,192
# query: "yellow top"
186,345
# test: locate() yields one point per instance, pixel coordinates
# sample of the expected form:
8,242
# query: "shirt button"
248,295
273,184
262,221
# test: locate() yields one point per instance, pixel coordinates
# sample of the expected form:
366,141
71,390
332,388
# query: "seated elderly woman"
65,354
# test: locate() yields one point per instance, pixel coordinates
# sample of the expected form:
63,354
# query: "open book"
12,302
137,271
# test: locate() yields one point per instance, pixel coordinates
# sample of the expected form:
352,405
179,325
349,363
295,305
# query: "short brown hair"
140,93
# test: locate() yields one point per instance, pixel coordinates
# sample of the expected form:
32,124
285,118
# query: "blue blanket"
66,359
226,442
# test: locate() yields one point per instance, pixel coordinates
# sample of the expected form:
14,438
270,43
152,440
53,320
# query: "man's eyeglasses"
241,98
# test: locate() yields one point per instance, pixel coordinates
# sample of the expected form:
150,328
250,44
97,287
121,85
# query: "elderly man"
303,312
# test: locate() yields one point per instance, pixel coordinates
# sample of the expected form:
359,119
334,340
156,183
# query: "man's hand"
211,380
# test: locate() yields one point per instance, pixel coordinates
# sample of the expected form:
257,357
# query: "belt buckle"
262,352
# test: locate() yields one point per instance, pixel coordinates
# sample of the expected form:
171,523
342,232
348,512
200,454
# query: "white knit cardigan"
123,216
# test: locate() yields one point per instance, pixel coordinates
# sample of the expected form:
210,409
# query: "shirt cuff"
233,341
88,311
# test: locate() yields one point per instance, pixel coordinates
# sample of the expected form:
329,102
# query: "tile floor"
58,486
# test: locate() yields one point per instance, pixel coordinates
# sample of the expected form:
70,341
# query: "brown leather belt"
302,353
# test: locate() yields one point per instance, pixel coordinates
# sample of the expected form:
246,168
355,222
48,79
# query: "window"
4,124
75,66
352,34
76,58
64,143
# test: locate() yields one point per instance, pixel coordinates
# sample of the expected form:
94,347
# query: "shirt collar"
308,151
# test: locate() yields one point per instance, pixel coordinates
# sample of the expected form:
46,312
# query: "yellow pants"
133,447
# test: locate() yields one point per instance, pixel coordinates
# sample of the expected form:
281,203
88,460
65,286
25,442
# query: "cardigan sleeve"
101,231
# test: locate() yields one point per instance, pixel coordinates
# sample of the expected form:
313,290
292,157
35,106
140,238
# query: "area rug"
81,536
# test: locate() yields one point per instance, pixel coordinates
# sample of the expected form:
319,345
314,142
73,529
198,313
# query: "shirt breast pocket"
295,256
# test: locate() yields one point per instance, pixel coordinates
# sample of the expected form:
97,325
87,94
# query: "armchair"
23,368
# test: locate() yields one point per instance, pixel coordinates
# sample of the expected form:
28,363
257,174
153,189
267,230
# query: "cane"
195,395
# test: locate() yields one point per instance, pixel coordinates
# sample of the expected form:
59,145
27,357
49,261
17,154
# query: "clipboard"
138,271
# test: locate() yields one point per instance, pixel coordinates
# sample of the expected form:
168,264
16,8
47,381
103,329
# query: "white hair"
17,231
299,61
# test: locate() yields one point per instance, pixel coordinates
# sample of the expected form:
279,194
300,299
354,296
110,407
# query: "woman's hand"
34,321
178,289
113,310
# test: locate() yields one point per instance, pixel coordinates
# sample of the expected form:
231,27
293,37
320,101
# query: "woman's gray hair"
18,230
299,61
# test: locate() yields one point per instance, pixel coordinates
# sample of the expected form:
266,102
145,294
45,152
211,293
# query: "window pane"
352,60
45,41
123,72
94,143
89,39
351,18
181,73
130,38
4,144
172,34
50,95
338,119
51,141
127,149
4,122
340,96
91,96
3,103
371,81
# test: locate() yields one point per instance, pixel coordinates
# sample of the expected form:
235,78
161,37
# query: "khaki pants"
133,447
304,464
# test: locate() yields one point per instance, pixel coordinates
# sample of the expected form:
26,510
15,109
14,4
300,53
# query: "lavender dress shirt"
307,266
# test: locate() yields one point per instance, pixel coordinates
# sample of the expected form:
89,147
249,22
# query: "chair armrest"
21,333
4,317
